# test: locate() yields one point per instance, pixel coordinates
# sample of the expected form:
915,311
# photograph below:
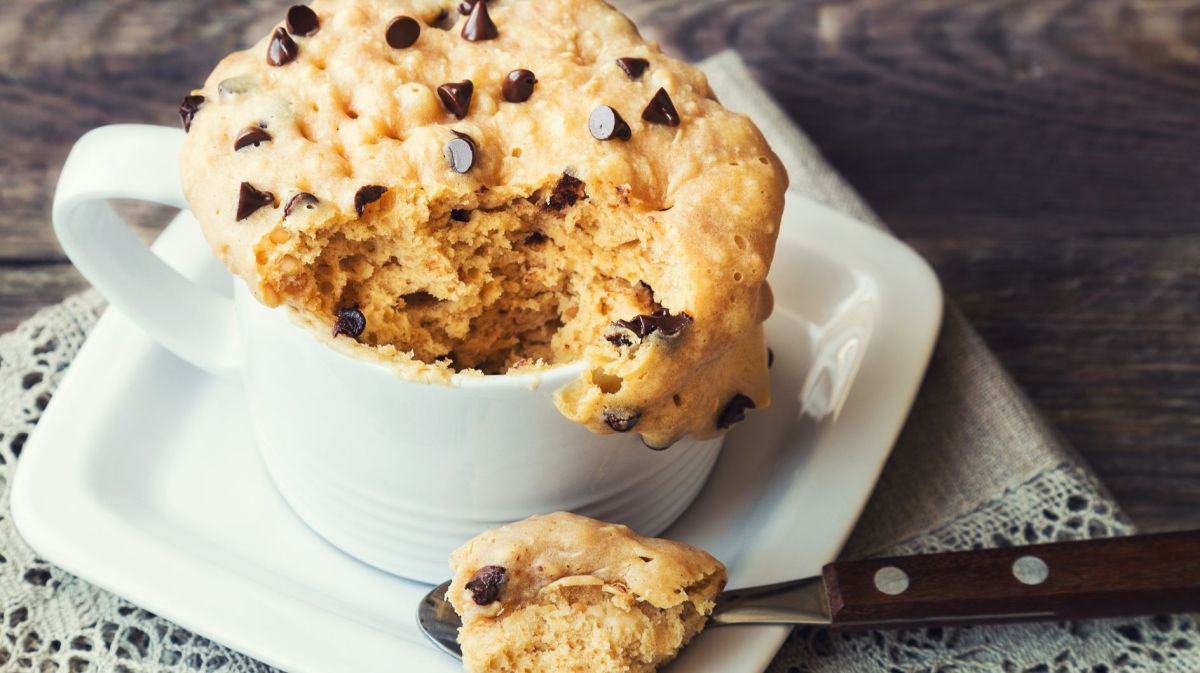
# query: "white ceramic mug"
395,473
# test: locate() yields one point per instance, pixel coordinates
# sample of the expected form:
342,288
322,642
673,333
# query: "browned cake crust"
570,594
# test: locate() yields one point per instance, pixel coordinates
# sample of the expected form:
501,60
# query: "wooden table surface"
1044,155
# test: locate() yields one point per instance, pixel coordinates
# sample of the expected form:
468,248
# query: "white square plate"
142,476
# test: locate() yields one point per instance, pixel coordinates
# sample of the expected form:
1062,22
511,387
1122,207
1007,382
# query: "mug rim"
554,375
550,375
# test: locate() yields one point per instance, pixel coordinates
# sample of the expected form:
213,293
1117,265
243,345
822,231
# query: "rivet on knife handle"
1147,574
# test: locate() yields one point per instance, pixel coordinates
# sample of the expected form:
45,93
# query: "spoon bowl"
439,622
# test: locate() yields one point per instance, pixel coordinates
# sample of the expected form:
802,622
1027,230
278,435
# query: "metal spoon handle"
1138,575
796,602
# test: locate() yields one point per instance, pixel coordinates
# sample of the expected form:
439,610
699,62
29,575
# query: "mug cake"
566,593
498,187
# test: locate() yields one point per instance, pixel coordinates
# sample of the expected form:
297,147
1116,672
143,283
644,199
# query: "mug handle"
136,161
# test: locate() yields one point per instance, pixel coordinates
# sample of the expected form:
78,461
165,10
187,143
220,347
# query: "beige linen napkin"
975,466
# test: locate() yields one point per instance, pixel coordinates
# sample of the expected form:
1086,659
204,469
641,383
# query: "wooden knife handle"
1138,575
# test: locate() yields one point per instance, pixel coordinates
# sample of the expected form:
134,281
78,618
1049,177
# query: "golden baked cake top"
507,188
562,592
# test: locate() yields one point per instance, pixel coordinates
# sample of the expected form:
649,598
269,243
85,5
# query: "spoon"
1116,577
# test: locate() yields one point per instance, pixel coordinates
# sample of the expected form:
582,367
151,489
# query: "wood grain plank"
27,287
71,66
1102,334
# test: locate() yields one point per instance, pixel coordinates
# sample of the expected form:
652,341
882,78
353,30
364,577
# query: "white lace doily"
51,621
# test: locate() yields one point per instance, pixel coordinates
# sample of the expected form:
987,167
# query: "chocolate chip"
621,420
442,21
456,97
634,67
460,152
402,32
661,110
518,86
283,49
188,109
479,24
568,190
669,325
251,135
642,326
251,199
606,123
302,21
617,337
366,196
486,583
734,411
350,321
459,215
299,200
770,357
536,238
466,6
